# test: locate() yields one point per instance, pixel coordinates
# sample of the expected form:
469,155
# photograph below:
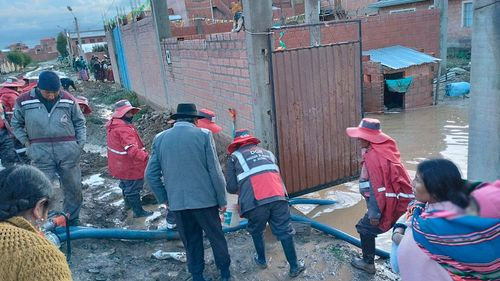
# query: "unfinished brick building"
398,64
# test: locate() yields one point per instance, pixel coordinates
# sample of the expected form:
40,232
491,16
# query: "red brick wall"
143,61
419,30
420,92
212,73
207,29
458,36
373,87
43,56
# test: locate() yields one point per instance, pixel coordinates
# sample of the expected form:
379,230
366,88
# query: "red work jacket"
127,157
8,100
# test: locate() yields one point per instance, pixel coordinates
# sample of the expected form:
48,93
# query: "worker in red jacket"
252,173
127,157
8,96
385,185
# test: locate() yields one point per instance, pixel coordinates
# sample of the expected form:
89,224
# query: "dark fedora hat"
186,110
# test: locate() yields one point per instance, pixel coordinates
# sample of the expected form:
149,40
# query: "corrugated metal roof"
388,3
398,57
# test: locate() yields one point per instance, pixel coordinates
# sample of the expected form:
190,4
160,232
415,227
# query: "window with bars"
467,13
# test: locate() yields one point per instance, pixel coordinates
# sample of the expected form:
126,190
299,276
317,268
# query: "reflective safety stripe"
128,146
404,195
66,101
117,152
381,189
21,150
242,161
364,184
258,169
30,101
9,112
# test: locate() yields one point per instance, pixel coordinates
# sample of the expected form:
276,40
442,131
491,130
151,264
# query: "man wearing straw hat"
193,187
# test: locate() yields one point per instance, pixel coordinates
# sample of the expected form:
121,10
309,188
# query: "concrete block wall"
144,61
418,30
212,73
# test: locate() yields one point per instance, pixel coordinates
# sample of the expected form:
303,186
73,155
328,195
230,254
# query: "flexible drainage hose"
129,234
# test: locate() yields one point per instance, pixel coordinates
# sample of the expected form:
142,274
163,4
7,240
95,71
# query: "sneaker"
362,265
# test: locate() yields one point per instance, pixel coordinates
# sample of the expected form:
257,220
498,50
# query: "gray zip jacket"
32,122
186,158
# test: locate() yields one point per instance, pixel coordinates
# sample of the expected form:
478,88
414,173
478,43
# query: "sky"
29,21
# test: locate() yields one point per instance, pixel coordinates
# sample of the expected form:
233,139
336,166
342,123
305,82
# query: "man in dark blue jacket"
252,173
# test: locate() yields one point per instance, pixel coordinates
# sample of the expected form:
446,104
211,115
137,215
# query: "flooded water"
440,131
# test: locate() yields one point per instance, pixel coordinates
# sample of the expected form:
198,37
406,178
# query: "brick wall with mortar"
378,32
212,73
458,36
419,94
144,61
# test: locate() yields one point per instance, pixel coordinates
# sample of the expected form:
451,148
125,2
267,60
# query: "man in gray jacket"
193,187
50,124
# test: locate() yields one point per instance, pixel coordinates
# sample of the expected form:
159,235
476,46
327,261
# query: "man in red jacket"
127,157
8,96
253,174
384,183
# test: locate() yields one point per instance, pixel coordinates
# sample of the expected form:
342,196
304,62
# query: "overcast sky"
29,21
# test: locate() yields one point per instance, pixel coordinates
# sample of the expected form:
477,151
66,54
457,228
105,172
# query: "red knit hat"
242,137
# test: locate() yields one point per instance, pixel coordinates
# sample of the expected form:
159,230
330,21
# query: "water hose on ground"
130,234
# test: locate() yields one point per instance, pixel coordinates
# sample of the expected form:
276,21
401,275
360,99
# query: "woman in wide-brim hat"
384,183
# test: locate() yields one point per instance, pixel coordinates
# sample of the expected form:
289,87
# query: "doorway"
393,100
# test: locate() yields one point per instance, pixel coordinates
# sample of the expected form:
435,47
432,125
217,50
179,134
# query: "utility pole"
212,10
442,5
77,27
161,22
258,22
312,18
484,107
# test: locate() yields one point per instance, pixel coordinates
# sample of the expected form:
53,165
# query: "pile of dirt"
93,163
150,124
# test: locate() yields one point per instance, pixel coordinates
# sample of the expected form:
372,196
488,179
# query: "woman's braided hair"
21,187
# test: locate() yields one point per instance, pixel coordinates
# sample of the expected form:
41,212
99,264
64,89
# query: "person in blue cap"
49,122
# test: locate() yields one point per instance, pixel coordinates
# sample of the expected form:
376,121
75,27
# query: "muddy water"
440,131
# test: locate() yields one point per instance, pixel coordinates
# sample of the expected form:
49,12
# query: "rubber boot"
367,263
127,204
135,203
225,275
260,248
199,277
296,266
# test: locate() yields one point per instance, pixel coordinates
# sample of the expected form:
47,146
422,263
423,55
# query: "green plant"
19,58
62,43
100,48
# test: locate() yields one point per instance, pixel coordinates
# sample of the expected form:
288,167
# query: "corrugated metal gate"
317,96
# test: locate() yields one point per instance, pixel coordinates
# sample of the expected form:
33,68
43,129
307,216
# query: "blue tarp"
457,89
399,85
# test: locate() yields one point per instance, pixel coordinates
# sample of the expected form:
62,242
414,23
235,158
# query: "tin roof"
86,34
388,3
398,57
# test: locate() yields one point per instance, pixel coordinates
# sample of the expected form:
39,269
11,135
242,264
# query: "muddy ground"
326,257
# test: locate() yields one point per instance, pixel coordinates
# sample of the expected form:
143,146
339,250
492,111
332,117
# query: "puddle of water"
440,131
94,180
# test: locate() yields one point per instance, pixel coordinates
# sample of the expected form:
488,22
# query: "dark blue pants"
277,213
131,187
191,224
7,150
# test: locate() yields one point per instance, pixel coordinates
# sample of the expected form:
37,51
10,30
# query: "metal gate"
120,56
317,92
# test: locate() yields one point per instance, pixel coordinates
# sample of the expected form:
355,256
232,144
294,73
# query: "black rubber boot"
296,266
127,204
260,248
225,275
367,263
135,203
199,277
